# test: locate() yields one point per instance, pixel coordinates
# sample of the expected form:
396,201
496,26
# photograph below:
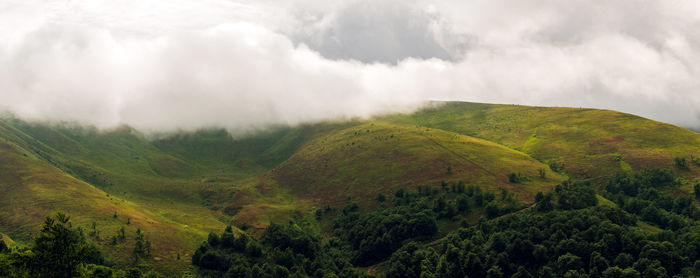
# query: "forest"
568,232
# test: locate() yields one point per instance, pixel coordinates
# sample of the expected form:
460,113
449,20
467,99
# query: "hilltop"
586,143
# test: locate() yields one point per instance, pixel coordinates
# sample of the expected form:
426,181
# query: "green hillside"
588,143
179,187
164,182
32,189
361,161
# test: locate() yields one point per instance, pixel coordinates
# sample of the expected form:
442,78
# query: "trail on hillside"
458,154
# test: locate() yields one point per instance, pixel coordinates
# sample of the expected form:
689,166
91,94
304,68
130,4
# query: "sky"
183,65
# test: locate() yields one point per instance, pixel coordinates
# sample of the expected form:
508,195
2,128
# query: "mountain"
179,187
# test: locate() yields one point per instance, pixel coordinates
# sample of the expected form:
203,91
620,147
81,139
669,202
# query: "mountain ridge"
197,182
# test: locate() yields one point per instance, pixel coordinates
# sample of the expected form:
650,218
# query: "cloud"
168,65
375,31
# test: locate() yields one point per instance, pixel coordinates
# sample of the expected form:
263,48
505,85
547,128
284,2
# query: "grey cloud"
376,31
253,64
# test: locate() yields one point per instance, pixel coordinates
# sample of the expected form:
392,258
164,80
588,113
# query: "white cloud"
165,65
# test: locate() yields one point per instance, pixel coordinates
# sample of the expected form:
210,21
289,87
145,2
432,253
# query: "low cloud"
164,66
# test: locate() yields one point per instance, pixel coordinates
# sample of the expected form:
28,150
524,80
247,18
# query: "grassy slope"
590,143
185,185
32,189
169,179
361,161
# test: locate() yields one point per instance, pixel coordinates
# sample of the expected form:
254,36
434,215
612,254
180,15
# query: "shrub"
681,163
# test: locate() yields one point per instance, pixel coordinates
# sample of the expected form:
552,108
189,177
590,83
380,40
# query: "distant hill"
588,143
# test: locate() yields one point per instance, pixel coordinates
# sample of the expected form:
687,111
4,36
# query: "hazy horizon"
183,65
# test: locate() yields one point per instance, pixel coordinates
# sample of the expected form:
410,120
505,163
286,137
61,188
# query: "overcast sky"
168,65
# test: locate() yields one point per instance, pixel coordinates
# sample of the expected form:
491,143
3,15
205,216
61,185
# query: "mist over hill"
172,65
176,188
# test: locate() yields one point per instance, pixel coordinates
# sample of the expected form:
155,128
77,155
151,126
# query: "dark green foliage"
639,194
462,204
589,242
98,271
153,274
381,198
142,247
291,237
489,196
522,273
596,241
539,196
506,204
399,193
121,233
494,272
58,251
374,236
491,210
350,208
131,272
556,166
681,163
213,239
460,187
696,190
623,260
515,178
576,196
630,184
410,261
3,246
286,251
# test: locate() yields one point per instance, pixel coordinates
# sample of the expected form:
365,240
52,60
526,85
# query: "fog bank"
170,65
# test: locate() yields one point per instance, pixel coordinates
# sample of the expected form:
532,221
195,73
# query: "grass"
165,184
36,189
7,240
358,162
590,143
179,187
646,227
602,201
